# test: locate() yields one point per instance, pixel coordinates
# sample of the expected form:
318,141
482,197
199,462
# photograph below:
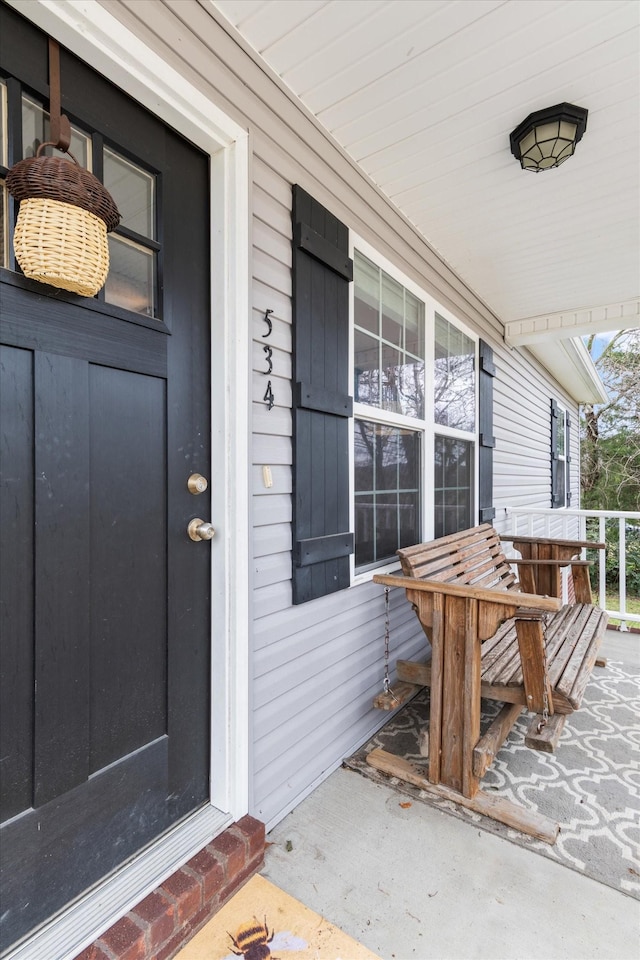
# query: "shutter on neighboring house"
555,463
322,270
486,373
568,455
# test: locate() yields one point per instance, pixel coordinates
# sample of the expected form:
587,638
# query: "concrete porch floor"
417,883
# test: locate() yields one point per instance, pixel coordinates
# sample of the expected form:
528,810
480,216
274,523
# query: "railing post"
582,534
530,521
602,570
622,567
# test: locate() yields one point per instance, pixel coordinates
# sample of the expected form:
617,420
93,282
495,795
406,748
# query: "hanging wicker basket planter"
61,232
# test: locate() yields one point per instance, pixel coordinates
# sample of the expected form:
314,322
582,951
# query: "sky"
601,342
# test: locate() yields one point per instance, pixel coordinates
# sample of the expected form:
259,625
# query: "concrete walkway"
414,882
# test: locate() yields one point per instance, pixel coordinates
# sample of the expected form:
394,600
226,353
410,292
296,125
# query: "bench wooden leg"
488,745
454,722
497,808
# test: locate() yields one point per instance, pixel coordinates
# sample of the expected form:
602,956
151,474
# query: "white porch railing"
606,527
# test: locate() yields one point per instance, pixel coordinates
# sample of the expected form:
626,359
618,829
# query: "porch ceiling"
423,96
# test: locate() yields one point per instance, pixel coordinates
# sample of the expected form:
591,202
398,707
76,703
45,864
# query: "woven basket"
62,245
61,231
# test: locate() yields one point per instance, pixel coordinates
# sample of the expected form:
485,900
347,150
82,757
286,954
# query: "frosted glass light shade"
548,137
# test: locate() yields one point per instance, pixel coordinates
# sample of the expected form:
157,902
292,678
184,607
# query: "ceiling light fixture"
548,137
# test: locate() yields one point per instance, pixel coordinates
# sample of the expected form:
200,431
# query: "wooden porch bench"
490,638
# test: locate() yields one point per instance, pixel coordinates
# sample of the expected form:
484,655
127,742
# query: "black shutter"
555,463
322,270
486,373
568,455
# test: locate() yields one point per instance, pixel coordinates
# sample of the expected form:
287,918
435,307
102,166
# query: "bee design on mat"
253,939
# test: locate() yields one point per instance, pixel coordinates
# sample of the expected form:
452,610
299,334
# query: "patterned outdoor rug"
591,785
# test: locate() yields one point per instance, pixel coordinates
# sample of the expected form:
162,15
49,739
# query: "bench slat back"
473,557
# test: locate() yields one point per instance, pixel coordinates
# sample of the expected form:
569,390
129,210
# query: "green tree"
610,432
610,452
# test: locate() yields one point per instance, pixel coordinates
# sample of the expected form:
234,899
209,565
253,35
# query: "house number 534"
268,395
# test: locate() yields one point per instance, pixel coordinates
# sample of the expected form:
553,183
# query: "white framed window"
560,456
414,432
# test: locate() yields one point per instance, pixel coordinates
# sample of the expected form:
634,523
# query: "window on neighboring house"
560,456
415,420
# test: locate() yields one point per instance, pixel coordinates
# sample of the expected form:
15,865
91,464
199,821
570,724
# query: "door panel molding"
62,580
134,787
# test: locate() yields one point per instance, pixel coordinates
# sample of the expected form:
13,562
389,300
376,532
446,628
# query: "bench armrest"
551,563
578,544
505,597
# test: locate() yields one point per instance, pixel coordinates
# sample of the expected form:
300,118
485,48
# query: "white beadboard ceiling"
423,94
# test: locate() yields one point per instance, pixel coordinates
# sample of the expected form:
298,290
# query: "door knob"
200,530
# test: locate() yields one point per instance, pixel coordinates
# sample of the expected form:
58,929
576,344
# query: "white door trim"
93,34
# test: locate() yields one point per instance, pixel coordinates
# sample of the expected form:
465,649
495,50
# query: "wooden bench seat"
490,638
573,638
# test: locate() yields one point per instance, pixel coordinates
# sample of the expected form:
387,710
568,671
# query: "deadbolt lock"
200,530
197,484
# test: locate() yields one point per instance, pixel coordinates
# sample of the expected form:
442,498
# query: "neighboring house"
270,323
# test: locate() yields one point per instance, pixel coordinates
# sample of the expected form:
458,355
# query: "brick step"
159,926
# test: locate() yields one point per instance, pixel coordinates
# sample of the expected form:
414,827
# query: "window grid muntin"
380,495
453,497
450,368
114,159
141,242
88,151
385,387
147,305
35,115
426,426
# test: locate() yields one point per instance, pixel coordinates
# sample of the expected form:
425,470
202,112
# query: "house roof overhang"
422,98
573,323
570,363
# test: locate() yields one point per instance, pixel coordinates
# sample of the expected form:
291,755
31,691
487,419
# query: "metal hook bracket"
60,127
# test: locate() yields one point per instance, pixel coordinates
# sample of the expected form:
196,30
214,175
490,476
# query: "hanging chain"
387,683
545,696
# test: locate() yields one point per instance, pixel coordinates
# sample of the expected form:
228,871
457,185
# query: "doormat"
262,921
590,786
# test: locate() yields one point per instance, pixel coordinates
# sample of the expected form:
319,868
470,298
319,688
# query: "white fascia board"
97,37
570,363
622,315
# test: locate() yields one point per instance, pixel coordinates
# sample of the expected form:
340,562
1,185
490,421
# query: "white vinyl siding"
316,667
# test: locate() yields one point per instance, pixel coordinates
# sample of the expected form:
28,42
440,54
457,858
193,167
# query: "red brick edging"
165,920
